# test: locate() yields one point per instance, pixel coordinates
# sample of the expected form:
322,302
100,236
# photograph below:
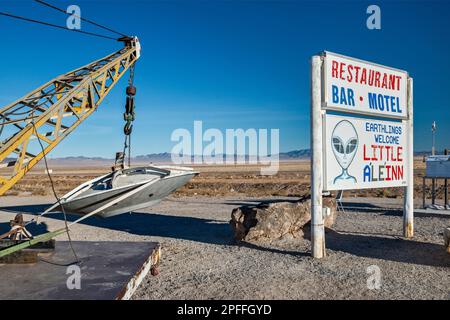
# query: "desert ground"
201,260
292,179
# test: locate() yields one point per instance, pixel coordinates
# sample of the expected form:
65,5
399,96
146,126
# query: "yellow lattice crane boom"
49,113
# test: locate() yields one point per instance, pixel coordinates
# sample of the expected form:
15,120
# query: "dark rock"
276,220
447,239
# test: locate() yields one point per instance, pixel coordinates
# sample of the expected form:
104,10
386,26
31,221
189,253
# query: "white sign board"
364,153
361,134
352,85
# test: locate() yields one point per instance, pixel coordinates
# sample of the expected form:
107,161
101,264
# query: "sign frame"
318,112
325,88
325,143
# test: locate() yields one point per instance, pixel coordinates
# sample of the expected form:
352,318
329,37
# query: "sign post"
408,206
361,133
317,226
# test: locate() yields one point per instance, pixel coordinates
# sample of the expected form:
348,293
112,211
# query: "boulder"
269,221
447,239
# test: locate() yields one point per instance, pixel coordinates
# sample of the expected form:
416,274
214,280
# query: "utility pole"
433,131
433,152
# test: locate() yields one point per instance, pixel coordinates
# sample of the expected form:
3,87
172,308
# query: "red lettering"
387,152
365,157
334,69
392,82
374,148
350,76
400,172
371,77
357,73
377,79
384,82
342,71
399,153
388,170
398,82
364,76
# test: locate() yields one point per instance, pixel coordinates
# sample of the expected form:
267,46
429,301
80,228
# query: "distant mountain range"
166,157
291,155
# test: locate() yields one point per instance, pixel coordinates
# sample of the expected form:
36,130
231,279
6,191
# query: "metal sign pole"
317,225
408,205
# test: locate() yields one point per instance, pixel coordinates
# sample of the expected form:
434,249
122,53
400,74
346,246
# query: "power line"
54,25
83,19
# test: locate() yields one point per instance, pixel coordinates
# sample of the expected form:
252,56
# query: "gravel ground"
201,261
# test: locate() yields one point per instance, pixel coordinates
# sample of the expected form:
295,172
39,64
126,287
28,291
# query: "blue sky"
231,64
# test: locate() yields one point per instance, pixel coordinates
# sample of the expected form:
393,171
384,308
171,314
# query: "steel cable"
83,19
56,195
54,25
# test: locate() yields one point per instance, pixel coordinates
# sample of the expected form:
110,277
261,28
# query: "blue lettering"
344,96
393,105
372,101
386,98
367,173
383,102
335,94
380,102
351,98
343,99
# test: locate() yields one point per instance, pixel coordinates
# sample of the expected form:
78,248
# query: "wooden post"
408,205
317,225
423,192
433,191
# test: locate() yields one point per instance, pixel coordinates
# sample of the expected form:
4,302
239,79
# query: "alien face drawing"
344,141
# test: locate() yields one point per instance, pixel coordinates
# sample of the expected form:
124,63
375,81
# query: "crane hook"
129,115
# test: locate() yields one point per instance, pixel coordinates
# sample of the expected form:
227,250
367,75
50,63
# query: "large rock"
276,220
447,239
